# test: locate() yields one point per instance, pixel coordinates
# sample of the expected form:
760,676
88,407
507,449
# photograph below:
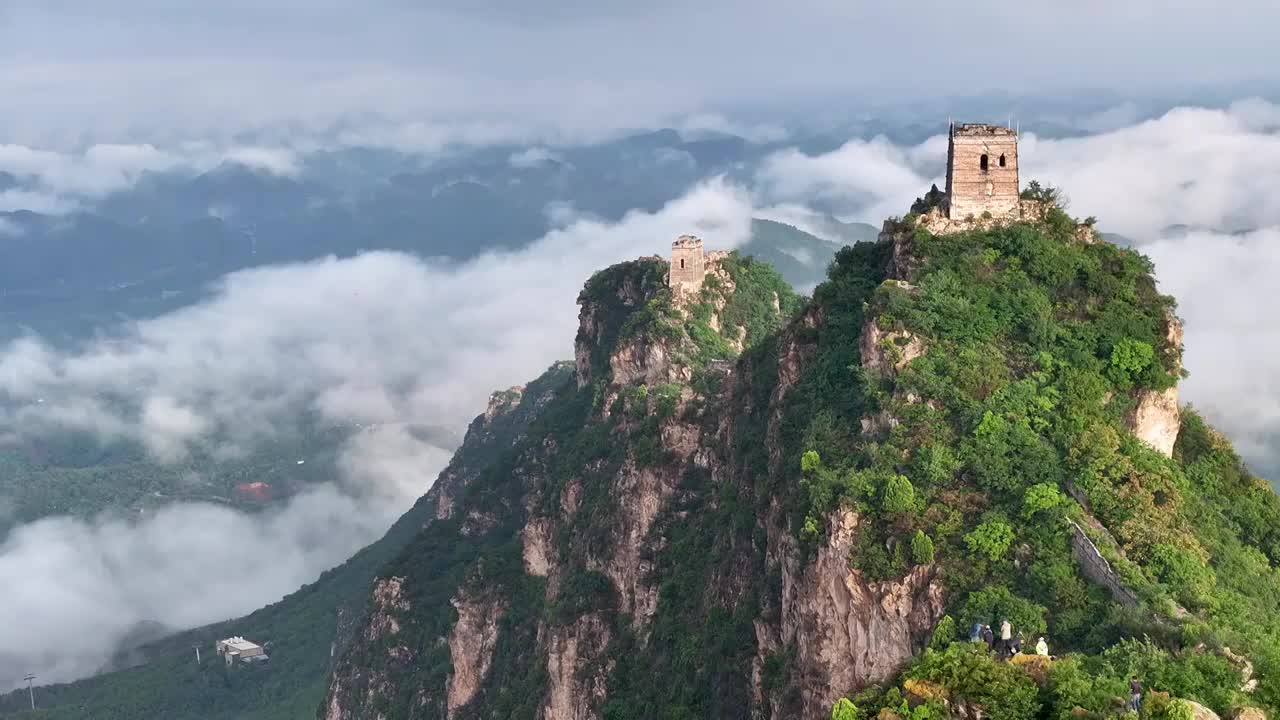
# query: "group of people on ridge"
1008,645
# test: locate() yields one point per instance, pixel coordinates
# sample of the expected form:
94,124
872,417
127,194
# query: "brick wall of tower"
688,264
973,189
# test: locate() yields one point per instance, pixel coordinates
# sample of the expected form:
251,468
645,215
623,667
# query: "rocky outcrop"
641,495
1156,419
351,695
645,361
885,353
1248,683
471,644
388,602
846,632
502,402
576,683
1248,713
1200,712
604,305
936,221
490,429
537,552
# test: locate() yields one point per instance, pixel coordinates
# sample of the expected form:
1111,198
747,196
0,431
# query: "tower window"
681,263
983,163
1002,161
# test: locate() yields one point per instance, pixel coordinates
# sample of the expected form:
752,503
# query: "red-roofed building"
259,491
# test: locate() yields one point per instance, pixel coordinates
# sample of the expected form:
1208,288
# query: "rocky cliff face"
597,512
1156,418
846,631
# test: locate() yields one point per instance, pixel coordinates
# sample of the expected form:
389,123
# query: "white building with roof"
237,648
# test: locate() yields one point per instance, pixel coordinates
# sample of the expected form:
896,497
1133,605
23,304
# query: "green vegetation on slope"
1036,348
576,449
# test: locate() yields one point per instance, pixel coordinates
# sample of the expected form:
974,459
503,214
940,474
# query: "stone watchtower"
688,265
982,171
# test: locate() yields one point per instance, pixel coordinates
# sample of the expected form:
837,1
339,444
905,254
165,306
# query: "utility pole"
30,691
197,647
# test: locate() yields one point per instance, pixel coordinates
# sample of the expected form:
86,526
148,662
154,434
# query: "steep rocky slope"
740,505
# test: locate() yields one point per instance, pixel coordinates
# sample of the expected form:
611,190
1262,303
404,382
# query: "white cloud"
1225,285
699,124
80,587
99,169
382,339
345,337
866,180
1192,166
59,182
46,202
277,161
1209,168
532,157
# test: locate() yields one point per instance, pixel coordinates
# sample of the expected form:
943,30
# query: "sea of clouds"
389,340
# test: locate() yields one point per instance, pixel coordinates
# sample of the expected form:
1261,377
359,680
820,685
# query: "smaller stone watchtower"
688,265
982,171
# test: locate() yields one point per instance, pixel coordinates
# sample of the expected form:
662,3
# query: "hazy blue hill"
801,258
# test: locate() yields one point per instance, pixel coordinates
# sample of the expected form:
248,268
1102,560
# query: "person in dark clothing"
1135,694
988,637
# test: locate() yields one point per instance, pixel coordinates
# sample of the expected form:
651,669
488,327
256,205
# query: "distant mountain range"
158,244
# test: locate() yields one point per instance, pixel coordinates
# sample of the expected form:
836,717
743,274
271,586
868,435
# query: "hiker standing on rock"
1006,634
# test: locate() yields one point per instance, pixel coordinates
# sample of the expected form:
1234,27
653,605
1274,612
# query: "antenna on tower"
31,692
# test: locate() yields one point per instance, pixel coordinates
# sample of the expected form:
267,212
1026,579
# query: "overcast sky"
78,68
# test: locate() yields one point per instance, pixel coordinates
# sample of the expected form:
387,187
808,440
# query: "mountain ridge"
805,526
